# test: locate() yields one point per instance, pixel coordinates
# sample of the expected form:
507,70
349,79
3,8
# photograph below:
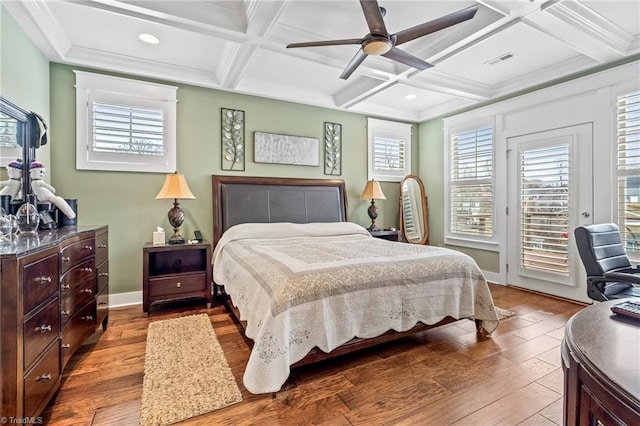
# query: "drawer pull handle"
65,312
66,258
88,290
87,269
178,285
102,246
103,274
88,318
43,328
65,346
43,280
90,248
102,303
65,286
43,377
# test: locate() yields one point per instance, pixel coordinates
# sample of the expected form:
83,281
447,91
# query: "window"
9,134
628,170
389,150
124,125
471,184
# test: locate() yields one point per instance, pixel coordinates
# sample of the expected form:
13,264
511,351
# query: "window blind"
389,154
471,199
544,212
127,129
628,168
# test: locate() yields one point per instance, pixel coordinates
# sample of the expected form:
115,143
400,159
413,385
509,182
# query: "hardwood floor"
446,376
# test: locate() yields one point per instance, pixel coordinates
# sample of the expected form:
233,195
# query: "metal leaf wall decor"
233,147
332,149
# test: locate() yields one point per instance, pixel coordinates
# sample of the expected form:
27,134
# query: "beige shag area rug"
185,372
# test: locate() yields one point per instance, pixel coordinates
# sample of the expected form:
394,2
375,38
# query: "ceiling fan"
380,42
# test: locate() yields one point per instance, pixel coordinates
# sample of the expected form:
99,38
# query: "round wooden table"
601,364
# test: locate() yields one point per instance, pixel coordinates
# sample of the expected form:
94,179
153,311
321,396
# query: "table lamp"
175,186
372,191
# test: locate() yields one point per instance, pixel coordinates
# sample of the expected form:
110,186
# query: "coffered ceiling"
240,46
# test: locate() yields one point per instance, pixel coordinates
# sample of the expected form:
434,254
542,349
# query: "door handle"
586,214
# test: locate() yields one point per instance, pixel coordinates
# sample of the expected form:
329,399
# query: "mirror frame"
25,132
425,216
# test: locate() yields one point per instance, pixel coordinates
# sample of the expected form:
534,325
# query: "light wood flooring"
443,376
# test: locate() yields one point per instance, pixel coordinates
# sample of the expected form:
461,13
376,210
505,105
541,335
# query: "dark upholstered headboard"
242,199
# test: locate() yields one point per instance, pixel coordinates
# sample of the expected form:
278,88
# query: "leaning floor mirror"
414,223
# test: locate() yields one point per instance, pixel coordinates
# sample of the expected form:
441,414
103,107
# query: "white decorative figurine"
45,192
13,186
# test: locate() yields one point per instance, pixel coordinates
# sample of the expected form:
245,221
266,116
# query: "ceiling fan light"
377,47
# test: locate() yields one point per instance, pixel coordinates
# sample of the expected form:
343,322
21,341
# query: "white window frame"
391,130
466,240
92,87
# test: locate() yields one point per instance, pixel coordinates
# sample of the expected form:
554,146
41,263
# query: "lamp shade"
175,186
372,191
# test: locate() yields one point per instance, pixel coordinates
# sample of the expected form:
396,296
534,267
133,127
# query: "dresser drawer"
41,382
81,325
102,247
102,304
186,283
40,281
74,253
103,275
40,330
75,299
82,273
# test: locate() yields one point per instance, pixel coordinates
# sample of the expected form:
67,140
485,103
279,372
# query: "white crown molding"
593,25
142,67
35,17
236,62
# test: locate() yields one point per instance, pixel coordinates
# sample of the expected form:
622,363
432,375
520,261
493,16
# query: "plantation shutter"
628,169
471,199
544,212
127,129
8,132
389,154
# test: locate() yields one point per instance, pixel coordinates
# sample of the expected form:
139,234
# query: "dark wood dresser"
53,296
601,363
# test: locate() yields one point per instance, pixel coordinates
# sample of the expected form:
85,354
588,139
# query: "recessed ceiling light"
149,38
411,96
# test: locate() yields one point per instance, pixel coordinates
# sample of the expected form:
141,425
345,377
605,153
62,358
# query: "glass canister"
28,217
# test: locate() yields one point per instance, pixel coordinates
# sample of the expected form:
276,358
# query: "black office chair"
610,274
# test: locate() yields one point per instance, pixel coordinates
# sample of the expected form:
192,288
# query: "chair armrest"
622,276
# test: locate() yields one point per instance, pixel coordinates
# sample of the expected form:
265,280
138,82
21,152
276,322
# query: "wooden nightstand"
386,235
176,271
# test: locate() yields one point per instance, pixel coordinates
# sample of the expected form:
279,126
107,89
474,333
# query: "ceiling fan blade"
373,15
407,59
327,43
357,60
435,25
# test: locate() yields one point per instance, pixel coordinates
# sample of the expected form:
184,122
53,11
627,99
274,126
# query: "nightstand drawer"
185,283
40,330
40,281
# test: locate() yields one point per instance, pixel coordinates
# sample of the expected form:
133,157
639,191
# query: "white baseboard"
125,299
492,277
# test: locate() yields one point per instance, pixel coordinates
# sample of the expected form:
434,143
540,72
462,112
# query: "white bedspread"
299,286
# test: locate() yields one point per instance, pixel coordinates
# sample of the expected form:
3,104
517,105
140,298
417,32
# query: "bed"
307,285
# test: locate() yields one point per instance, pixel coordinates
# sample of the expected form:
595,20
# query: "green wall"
24,73
126,201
